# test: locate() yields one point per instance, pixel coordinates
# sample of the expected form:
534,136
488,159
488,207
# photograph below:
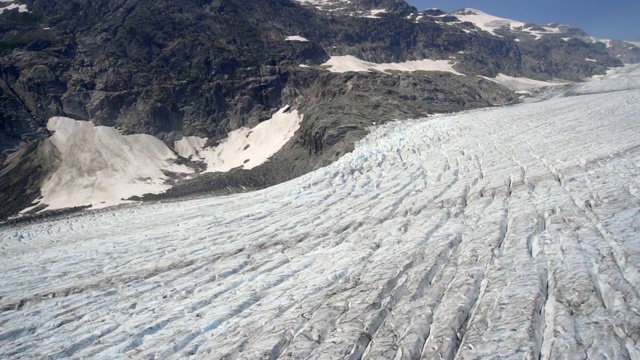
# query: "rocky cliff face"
207,67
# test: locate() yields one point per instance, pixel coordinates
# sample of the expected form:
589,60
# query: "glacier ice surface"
509,232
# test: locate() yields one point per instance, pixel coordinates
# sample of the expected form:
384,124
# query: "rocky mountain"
373,9
549,34
199,71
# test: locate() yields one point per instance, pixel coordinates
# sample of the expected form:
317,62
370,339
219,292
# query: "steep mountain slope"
206,68
509,232
360,8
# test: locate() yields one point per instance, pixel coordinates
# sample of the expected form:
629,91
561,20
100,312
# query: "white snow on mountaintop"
101,167
606,42
509,232
246,147
486,21
6,5
491,23
350,63
295,38
522,83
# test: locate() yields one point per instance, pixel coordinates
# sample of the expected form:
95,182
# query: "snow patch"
348,63
189,146
373,14
101,167
491,23
554,30
295,38
330,5
522,83
486,21
12,6
244,148
609,72
607,42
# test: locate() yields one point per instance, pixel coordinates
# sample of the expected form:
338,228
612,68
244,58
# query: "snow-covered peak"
486,22
491,23
469,11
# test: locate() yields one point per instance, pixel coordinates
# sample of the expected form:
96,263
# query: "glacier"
509,232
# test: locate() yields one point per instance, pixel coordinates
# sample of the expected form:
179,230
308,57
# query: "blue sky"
617,19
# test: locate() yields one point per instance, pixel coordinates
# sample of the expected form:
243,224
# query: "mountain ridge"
191,70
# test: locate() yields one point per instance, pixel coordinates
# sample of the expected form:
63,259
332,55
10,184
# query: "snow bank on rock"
246,147
341,64
491,23
295,38
250,147
607,42
101,167
189,146
486,21
373,14
6,5
522,83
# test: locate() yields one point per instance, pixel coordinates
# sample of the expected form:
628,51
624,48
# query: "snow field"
486,21
521,83
349,63
189,146
509,232
101,167
491,23
245,147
